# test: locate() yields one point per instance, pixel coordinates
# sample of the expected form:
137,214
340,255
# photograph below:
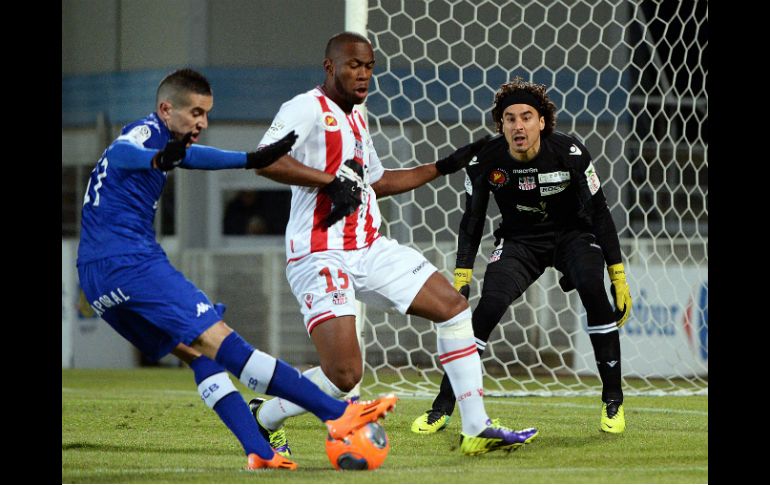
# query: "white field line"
550,469
544,402
495,400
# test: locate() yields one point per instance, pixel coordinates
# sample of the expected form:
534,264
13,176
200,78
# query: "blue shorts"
147,301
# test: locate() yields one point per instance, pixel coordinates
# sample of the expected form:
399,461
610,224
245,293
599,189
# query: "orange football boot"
358,414
256,462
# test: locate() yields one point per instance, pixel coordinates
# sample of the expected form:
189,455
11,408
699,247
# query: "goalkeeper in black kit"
553,214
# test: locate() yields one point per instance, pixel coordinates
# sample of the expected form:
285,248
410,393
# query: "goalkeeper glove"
268,154
620,292
463,281
344,192
172,154
460,157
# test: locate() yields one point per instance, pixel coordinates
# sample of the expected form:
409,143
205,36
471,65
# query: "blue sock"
266,374
289,384
234,353
219,393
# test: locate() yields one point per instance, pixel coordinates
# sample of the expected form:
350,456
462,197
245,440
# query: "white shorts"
386,275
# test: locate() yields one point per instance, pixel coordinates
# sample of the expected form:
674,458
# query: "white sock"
258,371
462,364
274,412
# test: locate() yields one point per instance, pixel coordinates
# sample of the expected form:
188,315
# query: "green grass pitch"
150,426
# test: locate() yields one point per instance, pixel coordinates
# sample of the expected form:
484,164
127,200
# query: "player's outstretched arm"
202,157
460,158
268,154
607,237
127,154
288,170
403,180
469,235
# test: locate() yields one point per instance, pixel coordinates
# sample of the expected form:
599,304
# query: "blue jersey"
123,190
122,194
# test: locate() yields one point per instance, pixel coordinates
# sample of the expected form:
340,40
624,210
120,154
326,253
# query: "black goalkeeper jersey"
557,190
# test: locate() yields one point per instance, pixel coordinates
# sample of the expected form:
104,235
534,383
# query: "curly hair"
547,108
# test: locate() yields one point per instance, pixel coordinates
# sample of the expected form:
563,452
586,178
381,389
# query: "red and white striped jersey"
327,136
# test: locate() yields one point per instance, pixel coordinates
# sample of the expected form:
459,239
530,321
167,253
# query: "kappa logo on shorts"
339,298
308,300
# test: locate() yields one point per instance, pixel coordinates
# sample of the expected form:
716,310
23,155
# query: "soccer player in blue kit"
130,283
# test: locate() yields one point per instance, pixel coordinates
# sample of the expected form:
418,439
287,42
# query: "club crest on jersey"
339,298
308,300
359,150
330,122
498,177
496,255
527,182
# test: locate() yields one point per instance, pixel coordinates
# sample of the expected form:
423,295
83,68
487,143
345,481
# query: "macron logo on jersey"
574,150
202,308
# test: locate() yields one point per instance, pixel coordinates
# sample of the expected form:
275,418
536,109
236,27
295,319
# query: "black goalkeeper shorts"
523,259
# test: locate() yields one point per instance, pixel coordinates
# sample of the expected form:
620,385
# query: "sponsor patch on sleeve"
138,135
468,185
592,178
276,128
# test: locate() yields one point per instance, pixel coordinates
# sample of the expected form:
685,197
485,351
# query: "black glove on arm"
460,157
268,154
172,154
344,192
566,284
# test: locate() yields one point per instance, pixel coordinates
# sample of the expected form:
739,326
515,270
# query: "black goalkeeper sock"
607,354
445,401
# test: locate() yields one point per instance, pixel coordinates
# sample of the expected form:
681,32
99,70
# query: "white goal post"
628,78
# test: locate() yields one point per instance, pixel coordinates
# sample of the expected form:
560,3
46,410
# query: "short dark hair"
546,108
342,38
179,83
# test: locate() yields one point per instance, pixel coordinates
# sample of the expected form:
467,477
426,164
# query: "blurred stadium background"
629,78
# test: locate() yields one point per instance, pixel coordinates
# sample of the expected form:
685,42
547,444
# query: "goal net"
629,79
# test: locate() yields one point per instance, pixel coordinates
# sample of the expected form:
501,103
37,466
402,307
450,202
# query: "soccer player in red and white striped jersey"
329,268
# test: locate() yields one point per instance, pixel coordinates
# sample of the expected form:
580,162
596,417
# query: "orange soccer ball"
364,449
